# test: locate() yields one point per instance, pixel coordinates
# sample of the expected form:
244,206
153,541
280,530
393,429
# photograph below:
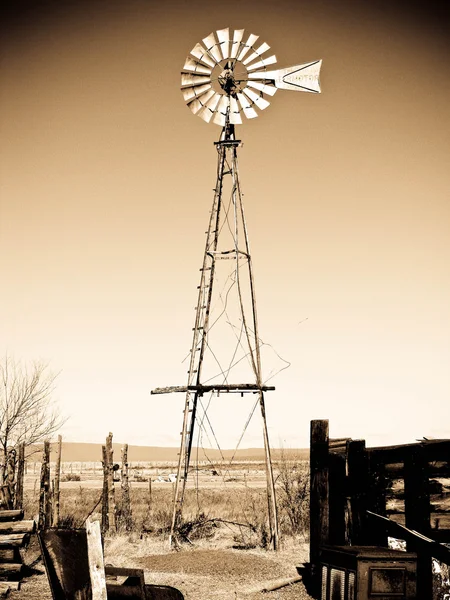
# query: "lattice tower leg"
198,345
256,359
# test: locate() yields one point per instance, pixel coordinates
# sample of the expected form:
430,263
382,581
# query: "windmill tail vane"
225,78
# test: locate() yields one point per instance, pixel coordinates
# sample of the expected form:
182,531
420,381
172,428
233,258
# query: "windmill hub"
227,81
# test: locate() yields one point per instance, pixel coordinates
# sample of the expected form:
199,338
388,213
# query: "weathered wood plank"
17,527
416,540
14,540
10,569
417,491
357,490
18,496
125,485
105,524
111,490
434,450
12,585
7,555
376,499
56,486
11,515
95,560
44,493
337,499
201,389
319,490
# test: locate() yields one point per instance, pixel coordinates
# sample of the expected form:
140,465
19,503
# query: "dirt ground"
200,573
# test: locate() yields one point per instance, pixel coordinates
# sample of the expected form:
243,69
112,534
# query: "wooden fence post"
56,480
357,488
111,492
417,512
105,508
337,498
96,560
150,491
125,484
18,497
44,494
319,495
376,499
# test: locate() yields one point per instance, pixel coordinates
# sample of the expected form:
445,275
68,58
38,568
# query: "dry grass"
211,570
227,526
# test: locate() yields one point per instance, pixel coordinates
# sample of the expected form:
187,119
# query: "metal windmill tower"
225,78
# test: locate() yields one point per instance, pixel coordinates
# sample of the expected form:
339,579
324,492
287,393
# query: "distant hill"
82,452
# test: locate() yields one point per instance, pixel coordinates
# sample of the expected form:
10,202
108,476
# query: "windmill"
225,78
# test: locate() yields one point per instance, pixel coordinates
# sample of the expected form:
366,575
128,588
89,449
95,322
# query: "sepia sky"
106,185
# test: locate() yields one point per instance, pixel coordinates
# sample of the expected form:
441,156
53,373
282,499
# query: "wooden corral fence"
349,482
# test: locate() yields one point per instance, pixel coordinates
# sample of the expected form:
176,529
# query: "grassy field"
218,497
226,551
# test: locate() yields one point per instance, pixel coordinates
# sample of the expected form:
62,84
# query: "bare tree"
27,412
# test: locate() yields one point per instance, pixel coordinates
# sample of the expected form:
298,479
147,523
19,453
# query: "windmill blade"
258,100
219,119
207,112
194,65
199,52
257,53
237,37
263,63
195,92
235,117
223,35
302,78
221,110
200,101
213,101
247,109
213,47
192,80
262,87
248,44
195,105
223,105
